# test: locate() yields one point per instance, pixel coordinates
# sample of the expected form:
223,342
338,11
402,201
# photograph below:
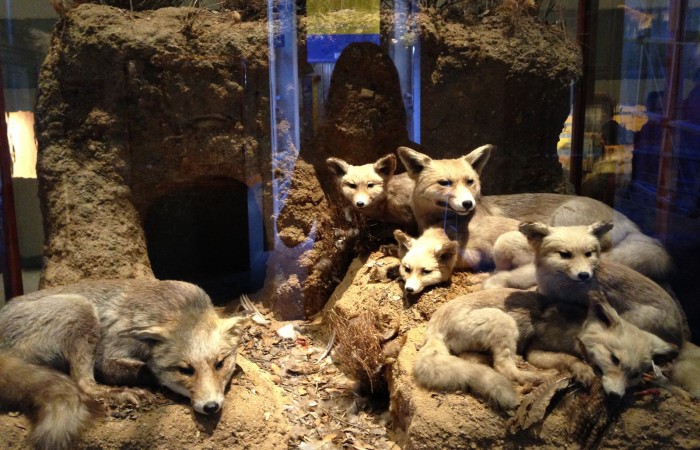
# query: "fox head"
363,186
196,358
427,260
573,251
442,185
618,351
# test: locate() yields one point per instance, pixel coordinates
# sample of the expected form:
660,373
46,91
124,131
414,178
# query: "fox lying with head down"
507,322
54,341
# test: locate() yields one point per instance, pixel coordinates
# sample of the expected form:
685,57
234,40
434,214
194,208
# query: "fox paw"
504,397
583,373
114,396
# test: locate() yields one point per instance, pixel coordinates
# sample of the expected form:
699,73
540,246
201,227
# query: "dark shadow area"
200,233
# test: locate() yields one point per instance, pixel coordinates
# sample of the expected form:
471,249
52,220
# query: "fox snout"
413,286
461,201
614,386
360,201
581,270
210,405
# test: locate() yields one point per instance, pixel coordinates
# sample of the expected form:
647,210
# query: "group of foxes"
597,309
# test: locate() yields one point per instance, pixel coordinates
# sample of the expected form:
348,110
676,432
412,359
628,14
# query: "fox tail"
58,409
436,368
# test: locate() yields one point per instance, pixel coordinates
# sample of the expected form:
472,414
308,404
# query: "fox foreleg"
581,371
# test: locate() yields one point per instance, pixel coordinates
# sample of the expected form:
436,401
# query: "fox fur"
447,194
425,261
54,341
507,322
375,191
568,269
626,244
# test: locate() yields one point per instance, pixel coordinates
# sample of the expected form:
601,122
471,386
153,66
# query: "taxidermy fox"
626,244
568,268
447,194
551,335
53,341
425,261
374,190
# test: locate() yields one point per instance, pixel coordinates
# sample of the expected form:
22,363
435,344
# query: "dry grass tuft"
359,351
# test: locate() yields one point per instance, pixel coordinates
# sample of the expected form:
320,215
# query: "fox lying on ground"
626,244
447,194
124,331
568,269
374,190
425,261
505,321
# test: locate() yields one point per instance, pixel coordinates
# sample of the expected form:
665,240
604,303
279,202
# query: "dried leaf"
536,406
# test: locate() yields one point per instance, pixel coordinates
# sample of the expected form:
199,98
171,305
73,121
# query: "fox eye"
445,183
597,370
370,185
352,185
614,359
565,255
470,181
220,365
407,268
186,370
588,254
427,271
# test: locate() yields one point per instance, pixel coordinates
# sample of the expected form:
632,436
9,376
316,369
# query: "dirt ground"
292,392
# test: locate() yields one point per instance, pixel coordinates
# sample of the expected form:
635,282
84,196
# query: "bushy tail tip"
436,368
58,409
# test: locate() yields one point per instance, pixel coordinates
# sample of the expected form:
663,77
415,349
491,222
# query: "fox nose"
409,289
467,204
583,276
211,407
360,203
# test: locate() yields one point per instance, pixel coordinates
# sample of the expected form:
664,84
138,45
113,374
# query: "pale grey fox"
54,341
551,335
568,268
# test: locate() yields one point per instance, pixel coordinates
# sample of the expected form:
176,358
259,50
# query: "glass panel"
25,31
642,141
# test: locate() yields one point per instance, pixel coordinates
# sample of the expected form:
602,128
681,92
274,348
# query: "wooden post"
12,272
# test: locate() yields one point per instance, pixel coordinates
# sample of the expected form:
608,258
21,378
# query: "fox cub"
126,332
375,191
425,261
551,336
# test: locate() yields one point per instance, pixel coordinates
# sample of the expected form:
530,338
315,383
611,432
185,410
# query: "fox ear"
601,311
663,352
235,325
337,166
600,229
385,166
414,161
403,239
535,231
479,157
147,334
447,251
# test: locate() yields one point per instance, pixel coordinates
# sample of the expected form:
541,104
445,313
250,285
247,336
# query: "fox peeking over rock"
374,191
